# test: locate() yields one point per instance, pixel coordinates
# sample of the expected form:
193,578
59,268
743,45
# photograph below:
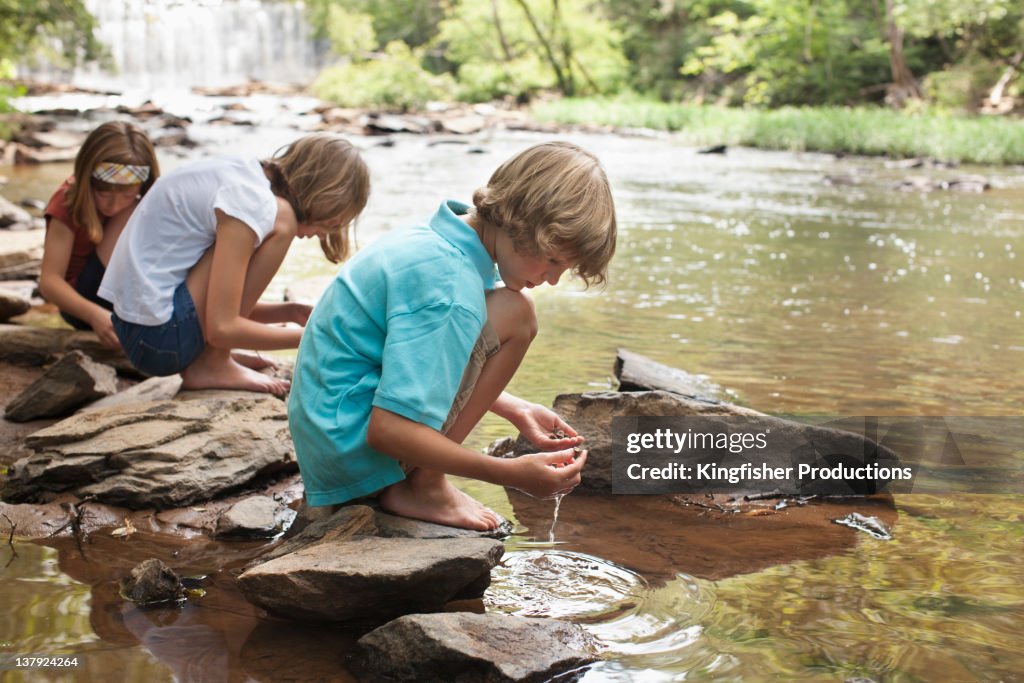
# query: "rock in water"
159,454
254,517
482,648
365,581
71,382
152,583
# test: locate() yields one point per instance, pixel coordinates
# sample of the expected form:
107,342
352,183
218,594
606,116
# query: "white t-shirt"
174,225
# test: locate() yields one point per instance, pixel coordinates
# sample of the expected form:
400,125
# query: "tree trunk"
563,84
995,96
904,85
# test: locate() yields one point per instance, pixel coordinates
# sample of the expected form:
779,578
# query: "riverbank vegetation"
863,130
947,66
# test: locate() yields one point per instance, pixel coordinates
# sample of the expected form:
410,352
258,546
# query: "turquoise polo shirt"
394,330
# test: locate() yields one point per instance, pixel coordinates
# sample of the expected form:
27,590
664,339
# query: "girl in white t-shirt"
187,274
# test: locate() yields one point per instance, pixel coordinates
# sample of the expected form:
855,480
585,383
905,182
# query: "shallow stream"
797,294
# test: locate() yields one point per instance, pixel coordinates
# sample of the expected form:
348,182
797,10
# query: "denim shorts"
165,349
87,285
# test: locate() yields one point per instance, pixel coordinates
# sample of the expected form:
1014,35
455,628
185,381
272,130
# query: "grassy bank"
874,131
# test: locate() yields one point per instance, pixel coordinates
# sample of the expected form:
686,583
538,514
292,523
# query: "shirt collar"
448,224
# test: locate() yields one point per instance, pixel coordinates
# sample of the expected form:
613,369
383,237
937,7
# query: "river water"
798,296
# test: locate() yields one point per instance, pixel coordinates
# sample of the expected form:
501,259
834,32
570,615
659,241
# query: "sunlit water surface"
797,295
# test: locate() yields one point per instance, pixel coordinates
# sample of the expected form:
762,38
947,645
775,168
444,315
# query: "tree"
30,26
517,47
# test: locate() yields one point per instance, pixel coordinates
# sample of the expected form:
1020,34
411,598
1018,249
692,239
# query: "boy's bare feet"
216,369
429,496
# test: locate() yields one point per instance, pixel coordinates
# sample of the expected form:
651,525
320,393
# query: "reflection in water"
799,296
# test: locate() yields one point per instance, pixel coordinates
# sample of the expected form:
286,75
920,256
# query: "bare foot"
253,361
214,369
432,498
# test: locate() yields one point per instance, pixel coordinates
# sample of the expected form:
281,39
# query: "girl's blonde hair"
118,142
324,179
554,200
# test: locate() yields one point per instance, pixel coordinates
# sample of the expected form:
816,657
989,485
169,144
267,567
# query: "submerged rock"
477,648
71,382
152,583
367,581
158,454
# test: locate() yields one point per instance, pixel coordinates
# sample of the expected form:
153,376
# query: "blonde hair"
324,179
118,142
554,199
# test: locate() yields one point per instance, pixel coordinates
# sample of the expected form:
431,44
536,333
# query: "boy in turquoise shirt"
413,342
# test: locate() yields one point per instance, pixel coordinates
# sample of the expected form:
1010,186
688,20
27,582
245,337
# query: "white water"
174,44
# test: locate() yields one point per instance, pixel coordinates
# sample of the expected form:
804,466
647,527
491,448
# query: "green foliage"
394,80
413,22
516,48
350,33
27,27
874,131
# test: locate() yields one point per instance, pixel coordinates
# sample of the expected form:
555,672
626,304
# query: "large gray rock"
69,383
323,526
473,648
393,526
368,580
591,415
160,454
787,445
21,253
152,389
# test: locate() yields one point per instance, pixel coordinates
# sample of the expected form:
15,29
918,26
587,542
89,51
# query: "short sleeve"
425,355
254,206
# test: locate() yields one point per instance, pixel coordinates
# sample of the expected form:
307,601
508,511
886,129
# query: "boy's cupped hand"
543,475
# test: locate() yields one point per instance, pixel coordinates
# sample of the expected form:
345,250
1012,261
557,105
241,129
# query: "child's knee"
512,315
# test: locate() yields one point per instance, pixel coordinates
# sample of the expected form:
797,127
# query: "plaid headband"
120,174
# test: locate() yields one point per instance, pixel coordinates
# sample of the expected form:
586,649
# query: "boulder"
254,517
367,581
479,648
787,444
159,454
11,304
33,346
464,125
11,213
71,382
591,415
21,254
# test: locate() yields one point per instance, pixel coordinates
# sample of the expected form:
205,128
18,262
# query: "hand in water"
544,475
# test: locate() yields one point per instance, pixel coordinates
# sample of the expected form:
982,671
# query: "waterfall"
168,44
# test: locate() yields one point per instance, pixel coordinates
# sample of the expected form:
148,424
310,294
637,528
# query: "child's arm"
538,474
538,424
233,273
57,248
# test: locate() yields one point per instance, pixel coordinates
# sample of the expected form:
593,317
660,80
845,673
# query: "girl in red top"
114,168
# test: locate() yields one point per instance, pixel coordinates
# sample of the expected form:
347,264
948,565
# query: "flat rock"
639,373
159,454
328,525
152,389
464,125
393,526
368,580
254,517
71,382
478,648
